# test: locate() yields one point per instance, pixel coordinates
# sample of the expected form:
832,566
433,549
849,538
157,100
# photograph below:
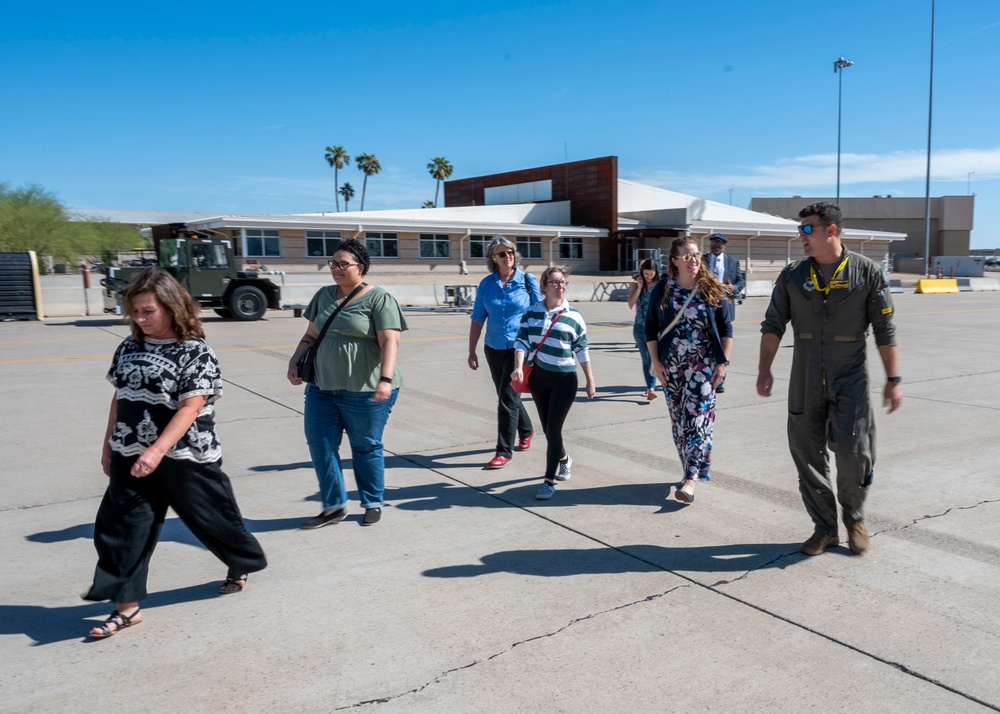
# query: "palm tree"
338,159
440,169
370,166
428,204
347,191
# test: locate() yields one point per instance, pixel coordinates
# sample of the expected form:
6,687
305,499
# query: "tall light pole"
927,190
838,68
968,183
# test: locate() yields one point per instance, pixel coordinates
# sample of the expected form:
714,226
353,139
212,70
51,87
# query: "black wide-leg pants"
131,516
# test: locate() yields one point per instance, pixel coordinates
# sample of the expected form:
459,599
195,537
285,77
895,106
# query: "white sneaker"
546,491
564,467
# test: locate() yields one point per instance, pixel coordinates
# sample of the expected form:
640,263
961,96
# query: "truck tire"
247,303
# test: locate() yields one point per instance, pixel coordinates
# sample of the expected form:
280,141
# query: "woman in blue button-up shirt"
502,298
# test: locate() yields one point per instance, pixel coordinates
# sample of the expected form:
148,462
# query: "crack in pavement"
713,588
576,620
691,582
915,521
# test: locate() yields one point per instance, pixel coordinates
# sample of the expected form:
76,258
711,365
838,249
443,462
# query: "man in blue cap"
727,269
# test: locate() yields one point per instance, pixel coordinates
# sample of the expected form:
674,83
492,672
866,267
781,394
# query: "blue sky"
228,106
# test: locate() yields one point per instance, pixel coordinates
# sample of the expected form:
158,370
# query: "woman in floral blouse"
689,335
161,450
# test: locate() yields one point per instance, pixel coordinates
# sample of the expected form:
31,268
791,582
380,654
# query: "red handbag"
524,386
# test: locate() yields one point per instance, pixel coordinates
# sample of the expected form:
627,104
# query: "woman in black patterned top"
161,450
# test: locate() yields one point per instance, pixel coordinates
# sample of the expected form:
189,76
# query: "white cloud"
820,171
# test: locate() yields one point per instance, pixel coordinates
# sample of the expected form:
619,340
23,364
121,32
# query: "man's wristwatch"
895,380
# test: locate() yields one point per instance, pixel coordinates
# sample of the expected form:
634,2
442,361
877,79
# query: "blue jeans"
328,416
639,334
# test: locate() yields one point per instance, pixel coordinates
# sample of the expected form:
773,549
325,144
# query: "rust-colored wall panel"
591,186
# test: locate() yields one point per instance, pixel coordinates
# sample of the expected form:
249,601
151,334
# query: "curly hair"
500,242
185,312
359,250
709,288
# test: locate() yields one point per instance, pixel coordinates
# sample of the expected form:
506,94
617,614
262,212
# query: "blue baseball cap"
719,237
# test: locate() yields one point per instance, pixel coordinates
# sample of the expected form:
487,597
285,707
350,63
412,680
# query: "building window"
322,244
529,192
263,244
530,246
434,246
478,245
382,245
237,243
570,248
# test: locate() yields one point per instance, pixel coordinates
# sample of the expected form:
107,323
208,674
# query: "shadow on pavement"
740,557
48,625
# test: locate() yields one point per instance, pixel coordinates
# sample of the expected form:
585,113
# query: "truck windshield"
208,256
168,253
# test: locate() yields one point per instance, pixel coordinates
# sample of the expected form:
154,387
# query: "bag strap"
552,324
680,313
340,307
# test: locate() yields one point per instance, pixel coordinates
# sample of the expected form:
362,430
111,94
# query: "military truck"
204,264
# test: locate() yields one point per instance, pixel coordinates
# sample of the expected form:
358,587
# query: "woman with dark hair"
689,335
552,323
501,300
638,300
161,450
356,382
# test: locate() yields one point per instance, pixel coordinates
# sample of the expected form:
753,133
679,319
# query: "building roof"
641,206
135,218
551,218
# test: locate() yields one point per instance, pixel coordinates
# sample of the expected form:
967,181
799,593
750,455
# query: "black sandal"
120,622
240,582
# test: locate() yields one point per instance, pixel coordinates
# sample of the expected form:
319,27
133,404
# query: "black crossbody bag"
307,362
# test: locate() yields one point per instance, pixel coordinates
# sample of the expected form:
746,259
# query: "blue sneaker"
546,491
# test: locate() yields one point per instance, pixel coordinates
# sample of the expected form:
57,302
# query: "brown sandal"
120,622
232,581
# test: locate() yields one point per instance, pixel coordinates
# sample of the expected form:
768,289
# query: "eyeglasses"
690,257
808,229
504,254
557,283
342,265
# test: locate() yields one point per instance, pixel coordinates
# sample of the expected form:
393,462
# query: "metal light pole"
927,193
968,183
838,68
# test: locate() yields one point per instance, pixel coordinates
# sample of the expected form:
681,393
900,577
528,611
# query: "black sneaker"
372,516
325,519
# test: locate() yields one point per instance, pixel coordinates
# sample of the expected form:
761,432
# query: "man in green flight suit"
831,297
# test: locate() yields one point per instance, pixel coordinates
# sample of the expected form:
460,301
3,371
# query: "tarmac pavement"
472,596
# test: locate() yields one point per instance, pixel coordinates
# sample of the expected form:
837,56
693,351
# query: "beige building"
580,215
950,225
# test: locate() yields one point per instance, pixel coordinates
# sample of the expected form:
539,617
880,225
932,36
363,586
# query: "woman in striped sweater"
553,381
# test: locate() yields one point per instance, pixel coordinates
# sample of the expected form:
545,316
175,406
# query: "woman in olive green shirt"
355,386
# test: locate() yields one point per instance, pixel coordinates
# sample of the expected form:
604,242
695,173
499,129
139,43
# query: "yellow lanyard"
833,278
